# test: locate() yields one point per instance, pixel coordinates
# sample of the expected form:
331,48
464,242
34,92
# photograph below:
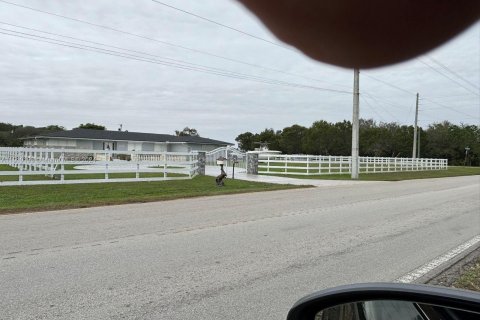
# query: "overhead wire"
404,90
384,109
452,109
443,66
372,108
458,104
446,76
387,83
385,101
394,87
202,69
167,43
454,95
222,25
129,50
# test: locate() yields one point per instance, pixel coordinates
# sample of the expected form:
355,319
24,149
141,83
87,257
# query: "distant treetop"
91,126
187,132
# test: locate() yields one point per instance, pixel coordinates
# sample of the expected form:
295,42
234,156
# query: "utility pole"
414,153
355,124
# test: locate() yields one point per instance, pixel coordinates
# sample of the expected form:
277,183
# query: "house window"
109,145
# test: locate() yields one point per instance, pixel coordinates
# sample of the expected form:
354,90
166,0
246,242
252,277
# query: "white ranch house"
122,141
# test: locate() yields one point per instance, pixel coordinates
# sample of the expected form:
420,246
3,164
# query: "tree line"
11,135
439,140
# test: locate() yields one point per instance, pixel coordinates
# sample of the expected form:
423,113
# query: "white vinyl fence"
318,165
53,166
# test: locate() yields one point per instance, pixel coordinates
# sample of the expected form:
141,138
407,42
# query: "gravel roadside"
449,276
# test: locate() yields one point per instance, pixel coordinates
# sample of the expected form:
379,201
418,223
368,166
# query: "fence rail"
53,166
320,165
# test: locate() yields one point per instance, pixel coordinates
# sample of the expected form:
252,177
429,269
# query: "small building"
122,141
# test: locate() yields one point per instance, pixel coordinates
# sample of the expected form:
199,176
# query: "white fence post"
62,166
165,165
20,175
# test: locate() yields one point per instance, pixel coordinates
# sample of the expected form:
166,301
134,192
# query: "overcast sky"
43,83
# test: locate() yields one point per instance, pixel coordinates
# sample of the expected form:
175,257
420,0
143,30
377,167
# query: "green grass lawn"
52,197
393,176
42,176
4,167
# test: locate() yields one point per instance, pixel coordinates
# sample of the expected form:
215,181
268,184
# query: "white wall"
132,145
148,146
61,143
122,145
84,144
160,147
177,147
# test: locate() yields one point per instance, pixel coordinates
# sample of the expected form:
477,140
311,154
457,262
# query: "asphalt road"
248,256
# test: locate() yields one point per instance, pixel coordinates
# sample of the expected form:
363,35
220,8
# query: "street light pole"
355,124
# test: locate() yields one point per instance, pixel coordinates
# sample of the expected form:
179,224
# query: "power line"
132,57
166,43
401,89
433,118
385,101
444,75
450,108
224,25
372,108
395,87
164,63
453,72
90,48
143,53
429,106
454,95
388,84
384,109
128,50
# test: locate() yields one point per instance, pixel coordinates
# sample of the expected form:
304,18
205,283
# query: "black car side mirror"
388,301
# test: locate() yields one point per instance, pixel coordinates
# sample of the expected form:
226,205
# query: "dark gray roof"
127,136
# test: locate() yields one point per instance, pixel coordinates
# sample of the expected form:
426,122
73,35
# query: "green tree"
54,127
10,135
446,140
187,132
91,126
4,127
342,139
318,138
246,141
291,139
271,137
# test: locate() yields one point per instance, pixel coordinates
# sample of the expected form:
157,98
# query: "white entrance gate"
231,154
